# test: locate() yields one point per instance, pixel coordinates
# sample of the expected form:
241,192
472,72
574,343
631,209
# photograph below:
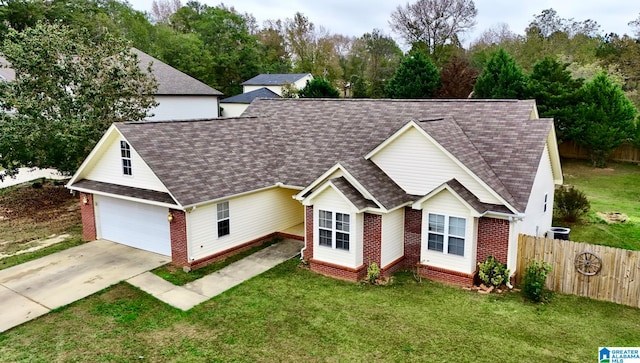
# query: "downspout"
513,219
302,251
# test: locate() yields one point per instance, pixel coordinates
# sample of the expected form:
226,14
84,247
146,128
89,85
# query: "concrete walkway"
28,174
34,288
187,296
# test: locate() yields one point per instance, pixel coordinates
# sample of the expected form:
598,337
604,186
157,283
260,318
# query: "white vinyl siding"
536,215
537,221
233,109
441,207
275,89
251,216
106,167
333,201
392,236
299,84
418,166
184,107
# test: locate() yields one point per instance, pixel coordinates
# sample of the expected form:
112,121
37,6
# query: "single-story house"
276,82
234,106
433,184
179,96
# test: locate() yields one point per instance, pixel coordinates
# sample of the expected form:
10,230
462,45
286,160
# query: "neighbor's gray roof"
293,141
274,79
173,82
6,72
250,96
170,80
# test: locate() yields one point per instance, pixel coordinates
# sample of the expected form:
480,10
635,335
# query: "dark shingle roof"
473,201
250,96
274,79
171,81
373,179
126,191
294,141
352,193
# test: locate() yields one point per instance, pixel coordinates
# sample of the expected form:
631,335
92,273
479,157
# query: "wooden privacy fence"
624,152
618,279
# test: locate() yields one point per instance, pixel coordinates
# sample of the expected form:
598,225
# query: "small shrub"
571,204
492,272
533,281
373,273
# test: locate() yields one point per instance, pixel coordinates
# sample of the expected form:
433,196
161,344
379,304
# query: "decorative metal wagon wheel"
588,263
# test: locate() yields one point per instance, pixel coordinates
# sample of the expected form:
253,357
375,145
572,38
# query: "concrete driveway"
34,288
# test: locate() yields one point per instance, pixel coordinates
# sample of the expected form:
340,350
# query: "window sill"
333,248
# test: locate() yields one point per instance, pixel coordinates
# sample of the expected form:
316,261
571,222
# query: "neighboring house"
234,106
179,96
437,184
277,82
6,72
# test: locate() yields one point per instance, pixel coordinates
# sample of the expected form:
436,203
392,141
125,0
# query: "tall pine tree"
416,77
500,78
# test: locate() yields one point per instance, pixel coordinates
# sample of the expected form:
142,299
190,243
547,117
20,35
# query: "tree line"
567,65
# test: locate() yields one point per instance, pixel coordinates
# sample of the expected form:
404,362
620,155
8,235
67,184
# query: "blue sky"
356,17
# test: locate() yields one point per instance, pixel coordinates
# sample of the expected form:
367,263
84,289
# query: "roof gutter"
124,197
510,216
227,197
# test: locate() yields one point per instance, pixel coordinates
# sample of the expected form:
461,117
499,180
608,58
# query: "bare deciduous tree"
548,22
433,22
635,24
161,10
498,34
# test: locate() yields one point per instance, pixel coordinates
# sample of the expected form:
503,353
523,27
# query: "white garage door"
134,224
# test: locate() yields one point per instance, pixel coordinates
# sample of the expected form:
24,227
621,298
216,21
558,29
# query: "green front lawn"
613,189
292,315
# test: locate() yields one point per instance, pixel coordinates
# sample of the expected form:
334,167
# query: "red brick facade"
412,236
444,275
88,216
337,271
308,233
392,267
493,239
178,231
372,239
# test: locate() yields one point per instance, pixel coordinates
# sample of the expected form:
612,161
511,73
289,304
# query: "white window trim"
445,235
227,218
124,146
334,230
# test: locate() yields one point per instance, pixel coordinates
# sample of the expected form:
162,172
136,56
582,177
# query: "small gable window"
544,208
125,154
446,234
223,219
334,229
